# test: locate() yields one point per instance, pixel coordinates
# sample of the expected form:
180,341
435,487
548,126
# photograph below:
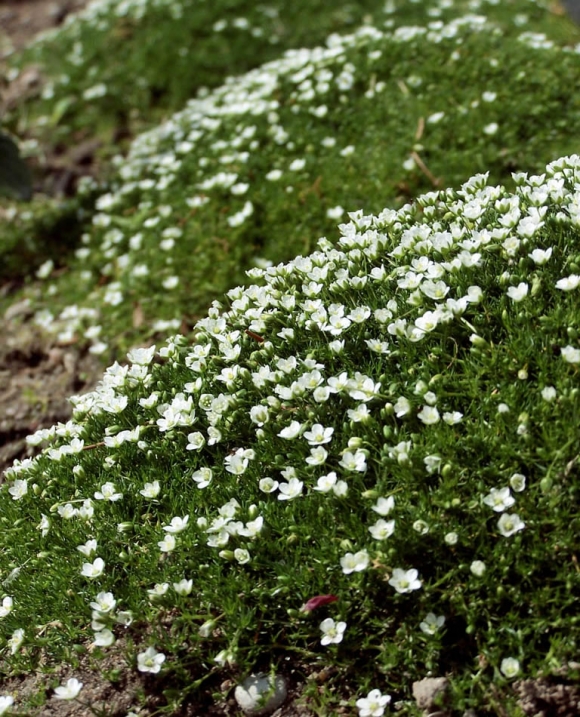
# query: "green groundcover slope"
258,168
121,63
391,421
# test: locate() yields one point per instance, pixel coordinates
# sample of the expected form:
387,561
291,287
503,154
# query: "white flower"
354,562
549,393
177,524
518,482
141,357
150,660
259,415
432,623
373,705
150,490
452,418
14,642
195,441
451,538
510,524
108,492
18,489
183,587
332,631
510,667
242,556
268,485
104,602
44,525
568,283
432,463
104,638
429,415
540,256
317,456
88,548
94,569
499,499
318,435
69,691
167,544
297,165
335,213
519,292
491,128
202,476
570,354
291,431
405,581
382,529
290,490
158,590
477,567
7,604
6,702
421,526
384,505
354,461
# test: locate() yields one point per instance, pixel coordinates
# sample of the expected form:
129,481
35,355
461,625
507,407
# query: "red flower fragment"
318,601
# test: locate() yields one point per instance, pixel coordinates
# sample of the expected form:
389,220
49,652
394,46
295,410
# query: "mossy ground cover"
121,66
390,421
381,430
122,63
262,166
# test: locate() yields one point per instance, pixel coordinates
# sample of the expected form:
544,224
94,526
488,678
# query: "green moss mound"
254,170
391,421
120,63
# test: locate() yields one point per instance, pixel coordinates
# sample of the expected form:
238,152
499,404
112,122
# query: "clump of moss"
388,425
253,170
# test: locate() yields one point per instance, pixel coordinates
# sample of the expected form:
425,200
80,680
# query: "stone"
259,695
428,690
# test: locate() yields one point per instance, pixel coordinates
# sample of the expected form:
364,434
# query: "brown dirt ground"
36,376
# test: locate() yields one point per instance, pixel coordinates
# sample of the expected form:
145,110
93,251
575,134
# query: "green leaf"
15,176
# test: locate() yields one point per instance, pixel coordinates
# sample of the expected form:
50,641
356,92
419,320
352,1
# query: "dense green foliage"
386,418
265,164
391,421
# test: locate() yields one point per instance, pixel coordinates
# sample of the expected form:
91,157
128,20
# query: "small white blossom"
568,283
70,691
510,667
94,569
354,562
570,354
405,581
432,623
332,632
519,292
499,499
510,524
373,705
477,567
290,490
429,415
150,660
